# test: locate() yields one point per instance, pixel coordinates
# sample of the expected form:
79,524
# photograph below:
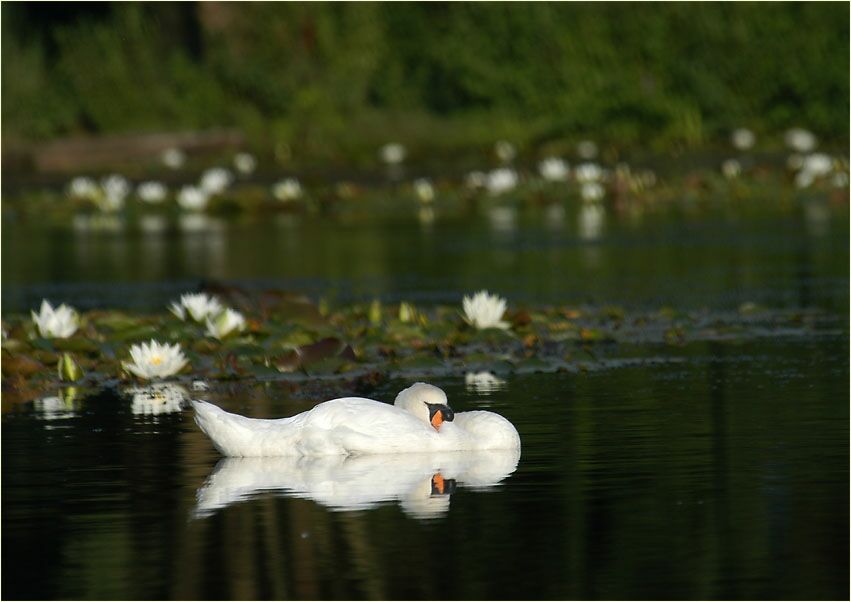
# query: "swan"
421,482
420,420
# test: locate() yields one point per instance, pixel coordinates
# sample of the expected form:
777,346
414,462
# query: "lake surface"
715,469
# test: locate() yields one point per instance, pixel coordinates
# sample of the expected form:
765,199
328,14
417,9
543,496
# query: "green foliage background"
331,77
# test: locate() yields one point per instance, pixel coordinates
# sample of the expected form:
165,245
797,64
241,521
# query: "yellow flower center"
156,360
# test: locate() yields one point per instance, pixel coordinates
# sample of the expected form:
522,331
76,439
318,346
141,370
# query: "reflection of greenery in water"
724,476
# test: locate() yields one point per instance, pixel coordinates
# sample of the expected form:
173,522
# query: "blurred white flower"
59,323
804,179
245,163
800,140
743,139
592,217
505,151
476,179
731,168
152,192
216,180
155,360
483,383
173,158
483,310
587,149
157,398
114,189
554,169
840,180
393,153
588,172
502,218
819,164
501,180
82,187
191,198
424,190
55,407
287,190
199,305
592,192
225,323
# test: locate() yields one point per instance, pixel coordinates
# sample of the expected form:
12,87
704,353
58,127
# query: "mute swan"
422,483
419,421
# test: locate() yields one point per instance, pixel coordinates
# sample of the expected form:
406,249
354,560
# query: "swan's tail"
233,435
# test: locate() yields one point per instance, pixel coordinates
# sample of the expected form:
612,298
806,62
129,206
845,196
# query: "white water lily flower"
155,360
588,172
225,323
152,192
393,153
82,187
743,139
501,180
59,323
115,189
483,383
424,190
731,168
483,310
157,398
216,180
587,149
800,140
554,169
244,163
592,192
505,151
191,198
173,158
287,190
199,305
819,164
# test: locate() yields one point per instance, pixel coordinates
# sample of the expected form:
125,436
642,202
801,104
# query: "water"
719,472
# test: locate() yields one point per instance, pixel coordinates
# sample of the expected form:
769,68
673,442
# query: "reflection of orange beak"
437,420
437,484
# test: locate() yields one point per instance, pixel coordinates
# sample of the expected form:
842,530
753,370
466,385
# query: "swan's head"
426,402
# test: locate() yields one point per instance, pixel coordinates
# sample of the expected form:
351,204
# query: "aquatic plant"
57,323
424,190
501,180
173,158
554,169
743,139
152,192
155,360
484,310
288,189
215,180
393,153
244,163
199,306
225,323
191,198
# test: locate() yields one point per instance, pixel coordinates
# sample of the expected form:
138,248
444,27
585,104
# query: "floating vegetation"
280,336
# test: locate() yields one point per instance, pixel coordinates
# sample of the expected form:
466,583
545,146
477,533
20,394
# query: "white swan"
419,421
422,483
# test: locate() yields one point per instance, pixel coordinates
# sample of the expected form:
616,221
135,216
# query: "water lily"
743,139
173,158
731,168
191,198
225,323
554,169
115,189
587,149
501,180
157,398
245,163
588,172
216,180
424,190
505,151
592,192
484,310
287,190
800,140
152,192
59,323
82,187
199,306
155,360
393,153
483,383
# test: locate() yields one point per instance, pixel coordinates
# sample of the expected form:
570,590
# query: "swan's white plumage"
355,425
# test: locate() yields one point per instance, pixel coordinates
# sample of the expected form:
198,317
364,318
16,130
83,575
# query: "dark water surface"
719,471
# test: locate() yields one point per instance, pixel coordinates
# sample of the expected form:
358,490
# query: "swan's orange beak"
438,414
437,420
441,486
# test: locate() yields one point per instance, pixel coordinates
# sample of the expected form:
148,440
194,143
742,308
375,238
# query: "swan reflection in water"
422,483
